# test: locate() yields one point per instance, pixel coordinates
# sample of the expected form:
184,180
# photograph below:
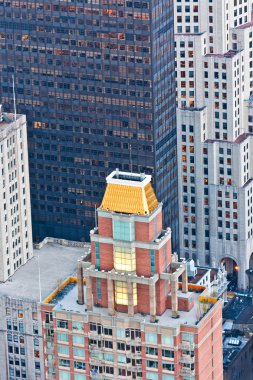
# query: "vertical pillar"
166,284
89,302
152,302
80,300
242,282
130,293
110,293
174,299
185,280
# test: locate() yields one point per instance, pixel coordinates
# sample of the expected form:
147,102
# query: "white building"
15,214
214,63
21,339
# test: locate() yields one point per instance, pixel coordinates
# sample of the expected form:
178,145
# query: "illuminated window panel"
124,259
121,293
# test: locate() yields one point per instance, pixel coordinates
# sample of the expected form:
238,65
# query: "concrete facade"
21,348
215,125
15,212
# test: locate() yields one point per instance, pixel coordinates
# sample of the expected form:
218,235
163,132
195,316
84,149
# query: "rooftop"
232,345
8,123
56,263
68,302
228,54
239,309
245,26
201,272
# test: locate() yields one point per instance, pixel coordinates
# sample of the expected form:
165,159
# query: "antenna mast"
130,150
14,98
95,216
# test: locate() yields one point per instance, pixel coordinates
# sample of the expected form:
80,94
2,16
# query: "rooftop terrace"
66,300
56,263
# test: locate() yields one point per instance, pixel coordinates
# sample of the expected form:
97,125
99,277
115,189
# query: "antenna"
14,98
39,277
95,216
130,150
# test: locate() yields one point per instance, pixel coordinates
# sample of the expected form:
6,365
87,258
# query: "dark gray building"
96,81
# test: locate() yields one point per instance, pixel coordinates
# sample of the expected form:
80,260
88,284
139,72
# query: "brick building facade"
130,314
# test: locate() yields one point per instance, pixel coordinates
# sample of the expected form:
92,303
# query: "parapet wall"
64,242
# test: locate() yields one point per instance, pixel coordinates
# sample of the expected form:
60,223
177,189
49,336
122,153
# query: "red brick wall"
159,260
143,298
142,262
106,256
146,231
104,301
209,352
183,304
159,257
142,232
105,226
160,297
151,230
159,221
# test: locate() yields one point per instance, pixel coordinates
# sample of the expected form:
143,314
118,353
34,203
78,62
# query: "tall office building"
131,320
96,81
214,59
15,212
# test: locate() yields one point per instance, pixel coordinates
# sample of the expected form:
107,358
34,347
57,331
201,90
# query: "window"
79,365
152,364
64,350
78,339
79,352
168,340
97,255
107,331
20,314
62,324
152,260
151,338
121,293
77,326
120,332
168,353
121,359
79,376
152,351
123,230
168,366
99,294
62,337
152,376
124,259
188,337
36,342
64,363
64,375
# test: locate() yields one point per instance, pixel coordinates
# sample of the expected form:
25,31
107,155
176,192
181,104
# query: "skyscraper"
131,320
214,62
16,246
96,80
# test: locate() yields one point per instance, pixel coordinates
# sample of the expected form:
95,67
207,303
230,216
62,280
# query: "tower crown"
129,193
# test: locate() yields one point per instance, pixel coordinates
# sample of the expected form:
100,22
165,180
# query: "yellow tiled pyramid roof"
137,198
